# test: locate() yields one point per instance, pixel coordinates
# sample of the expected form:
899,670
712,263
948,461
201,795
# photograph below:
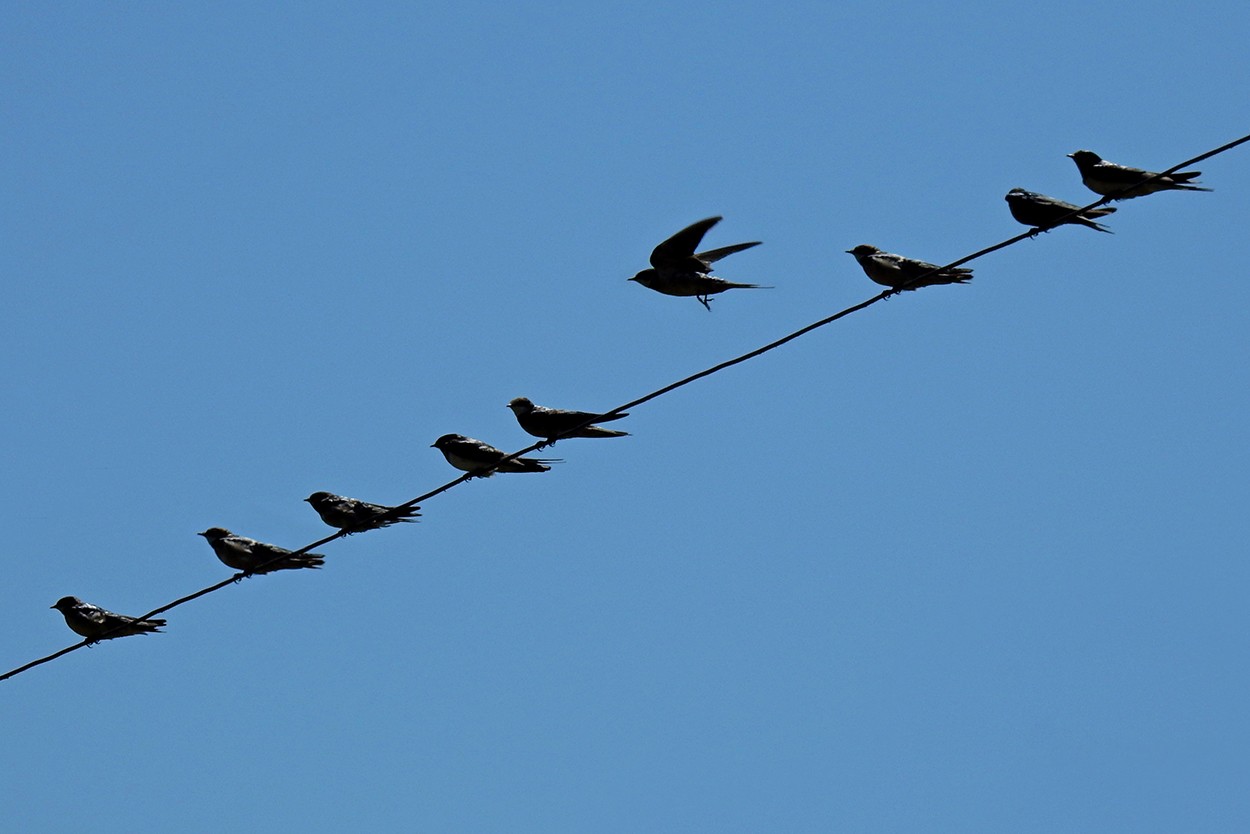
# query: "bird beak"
1070,155
635,278
52,606
849,251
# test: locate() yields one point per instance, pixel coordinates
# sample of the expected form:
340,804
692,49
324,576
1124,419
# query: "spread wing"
681,246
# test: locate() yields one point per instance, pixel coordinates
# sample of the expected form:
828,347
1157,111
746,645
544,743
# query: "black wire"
738,360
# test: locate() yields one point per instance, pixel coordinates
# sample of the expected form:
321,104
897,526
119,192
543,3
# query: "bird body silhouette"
676,269
899,273
96,623
352,515
547,423
251,556
1033,209
471,455
1116,181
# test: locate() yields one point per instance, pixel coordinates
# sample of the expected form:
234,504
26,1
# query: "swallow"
469,455
547,423
1111,180
354,516
899,273
96,624
1033,209
251,556
678,270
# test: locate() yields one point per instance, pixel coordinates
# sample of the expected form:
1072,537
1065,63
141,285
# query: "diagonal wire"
659,392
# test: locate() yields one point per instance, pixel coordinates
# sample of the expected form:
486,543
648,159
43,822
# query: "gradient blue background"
973,559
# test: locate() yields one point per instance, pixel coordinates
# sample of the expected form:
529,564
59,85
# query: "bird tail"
395,515
1085,221
295,562
735,286
1102,211
600,431
535,464
1182,181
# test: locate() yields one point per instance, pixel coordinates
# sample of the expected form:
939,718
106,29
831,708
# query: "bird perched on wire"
1117,181
1033,209
549,422
899,273
96,623
678,270
470,455
251,556
352,515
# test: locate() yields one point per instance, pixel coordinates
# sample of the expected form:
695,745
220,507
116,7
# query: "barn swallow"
1111,180
1033,209
470,455
549,422
353,515
901,273
95,623
678,270
251,556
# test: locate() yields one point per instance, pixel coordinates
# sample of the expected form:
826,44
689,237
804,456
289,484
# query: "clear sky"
973,559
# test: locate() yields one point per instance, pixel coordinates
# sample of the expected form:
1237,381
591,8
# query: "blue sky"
972,559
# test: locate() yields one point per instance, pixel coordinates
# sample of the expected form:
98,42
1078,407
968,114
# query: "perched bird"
549,422
469,455
900,273
95,623
251,556
353,515
1108,179
1033,209
677,270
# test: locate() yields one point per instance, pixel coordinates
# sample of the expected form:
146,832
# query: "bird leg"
703,300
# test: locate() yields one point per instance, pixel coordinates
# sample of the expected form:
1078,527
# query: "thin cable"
738,360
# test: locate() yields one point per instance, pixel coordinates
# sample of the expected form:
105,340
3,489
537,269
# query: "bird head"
318,497
1085,157
215,533
863,251
522,405
66,602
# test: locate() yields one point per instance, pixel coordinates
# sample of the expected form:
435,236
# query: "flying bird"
1117,181
251,556
549,422
470,455
901,273
354,516
1033,209
678,270
95,623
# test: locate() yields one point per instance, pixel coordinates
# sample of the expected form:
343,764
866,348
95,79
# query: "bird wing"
1111,172
711,256
681,245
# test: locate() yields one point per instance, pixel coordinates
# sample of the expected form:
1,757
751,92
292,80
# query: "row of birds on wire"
676,270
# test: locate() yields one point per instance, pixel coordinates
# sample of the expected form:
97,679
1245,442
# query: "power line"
659,392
